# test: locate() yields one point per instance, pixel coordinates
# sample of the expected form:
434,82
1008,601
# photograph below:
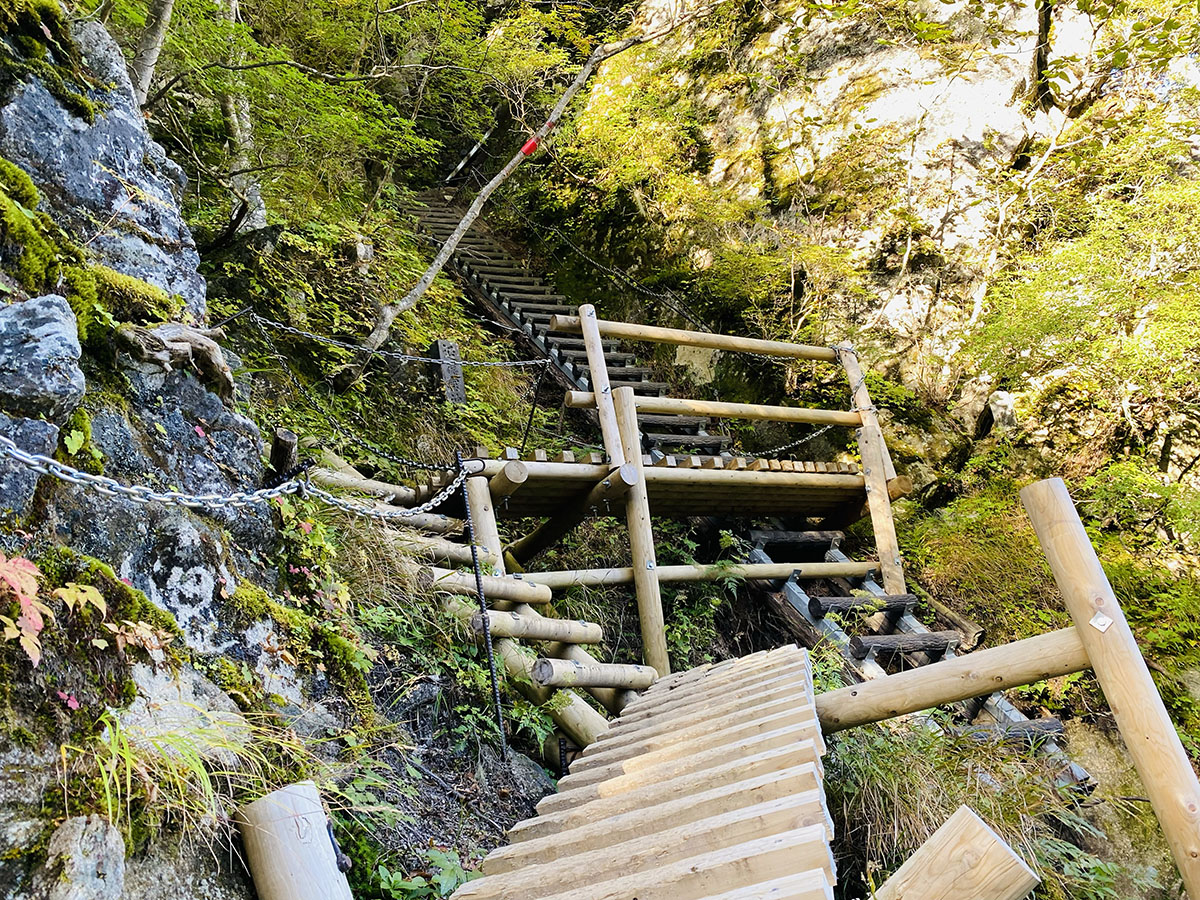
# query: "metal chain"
469,522
375,512
395,354
804,440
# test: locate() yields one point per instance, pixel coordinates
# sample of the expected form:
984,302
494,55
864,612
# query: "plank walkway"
693,793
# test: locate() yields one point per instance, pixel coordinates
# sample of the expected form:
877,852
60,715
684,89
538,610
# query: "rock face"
107,184
17,483
39,358
85,861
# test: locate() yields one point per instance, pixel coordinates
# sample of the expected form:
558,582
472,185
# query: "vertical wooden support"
875,471
598,370
641,539
483,515
1136,705
448,370
964,858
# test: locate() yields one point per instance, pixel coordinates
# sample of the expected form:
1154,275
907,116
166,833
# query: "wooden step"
536,299
677,421
801,538
536,308
563,339
863,606
689,440
932,642
638,385
612,357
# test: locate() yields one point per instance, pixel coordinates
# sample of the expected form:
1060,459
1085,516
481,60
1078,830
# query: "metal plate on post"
448,370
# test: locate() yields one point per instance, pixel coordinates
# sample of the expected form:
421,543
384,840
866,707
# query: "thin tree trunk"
235,106
387,315
145,58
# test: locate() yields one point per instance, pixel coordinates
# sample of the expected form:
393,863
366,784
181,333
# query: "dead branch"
175,347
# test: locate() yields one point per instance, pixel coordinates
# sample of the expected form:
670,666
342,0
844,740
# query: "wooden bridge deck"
709,785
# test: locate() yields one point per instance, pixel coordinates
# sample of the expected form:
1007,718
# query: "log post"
593,344
874,458
448,370
509,479
1141,716
284,456
964,858
641,540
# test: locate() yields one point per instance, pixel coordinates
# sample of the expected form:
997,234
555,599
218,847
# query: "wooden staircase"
525,301
707,786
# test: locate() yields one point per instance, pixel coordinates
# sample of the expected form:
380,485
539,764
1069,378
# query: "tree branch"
387,315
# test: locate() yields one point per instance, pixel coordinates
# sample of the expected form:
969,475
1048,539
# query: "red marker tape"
530,146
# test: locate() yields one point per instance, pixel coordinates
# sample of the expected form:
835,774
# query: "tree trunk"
387,315
145,58
235,107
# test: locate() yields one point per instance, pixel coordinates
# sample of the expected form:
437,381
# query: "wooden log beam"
569,673
750,571
875,470
613,487
593,344
630,332
438,550
509,479
514,625
495,587
863,606
641,539
964,858
392,493
961,678
717,409
751,479
932,642
1142,718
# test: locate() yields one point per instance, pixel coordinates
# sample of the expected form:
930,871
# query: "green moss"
39,31
343,663
249,603
29,250
130,299
77,434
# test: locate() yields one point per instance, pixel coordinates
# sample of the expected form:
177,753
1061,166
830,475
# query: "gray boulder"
39,358
107,184
17,483
85,861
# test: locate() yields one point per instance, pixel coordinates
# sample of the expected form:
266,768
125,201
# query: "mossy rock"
41,35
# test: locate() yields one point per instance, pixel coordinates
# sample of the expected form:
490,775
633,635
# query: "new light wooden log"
438,550
613,486
874,456
508,480
288,848
974,675
514,625
568,673
1142,718
749,479
598,370
569,711
631,332
794,782
652,851
495,587
963,859
478,494
754,571
641,540
392,493
790,853
718,409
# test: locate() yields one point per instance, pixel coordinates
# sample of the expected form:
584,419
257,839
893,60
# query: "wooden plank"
1142,718
653,334
797,781
963,858
975,675
648,852
742,865
641,540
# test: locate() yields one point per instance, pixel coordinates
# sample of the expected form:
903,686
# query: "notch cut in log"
933,642
568,673
889,603
964,858
514,625
495,587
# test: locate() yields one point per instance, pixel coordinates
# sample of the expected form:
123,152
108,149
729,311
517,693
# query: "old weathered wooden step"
932,642
689,440
561,339
803,538
673,421
890,603
527,307
638,385
1029,731
612,357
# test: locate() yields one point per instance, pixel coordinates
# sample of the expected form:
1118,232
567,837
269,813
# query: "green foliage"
1129,495
76,443
444,875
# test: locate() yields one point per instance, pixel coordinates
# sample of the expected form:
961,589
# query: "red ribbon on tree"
532,143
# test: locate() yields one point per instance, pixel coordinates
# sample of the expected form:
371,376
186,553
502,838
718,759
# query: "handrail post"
1137,707
875,472
593,345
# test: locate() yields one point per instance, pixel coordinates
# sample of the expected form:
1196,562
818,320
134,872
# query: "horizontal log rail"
749,571
495,587
653,334
719,409
515,625
569,673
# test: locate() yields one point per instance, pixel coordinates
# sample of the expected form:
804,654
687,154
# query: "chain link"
395,354
804,440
